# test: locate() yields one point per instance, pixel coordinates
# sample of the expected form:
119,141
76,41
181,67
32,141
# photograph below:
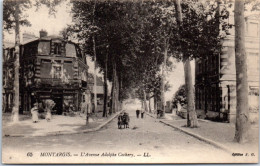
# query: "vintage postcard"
130,81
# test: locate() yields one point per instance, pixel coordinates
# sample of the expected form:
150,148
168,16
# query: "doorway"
58,104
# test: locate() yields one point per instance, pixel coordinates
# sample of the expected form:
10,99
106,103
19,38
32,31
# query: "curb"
65,132
218,145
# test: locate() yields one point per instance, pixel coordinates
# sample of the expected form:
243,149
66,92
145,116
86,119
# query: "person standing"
35,113
137,113
49,104
142,113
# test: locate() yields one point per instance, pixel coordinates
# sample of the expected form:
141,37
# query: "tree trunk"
15,111
95,71
112,99
149,100
155,102
95,75
192,120
105,95
145,104
105,87
242,114
163,78
115,92
117,106
191,113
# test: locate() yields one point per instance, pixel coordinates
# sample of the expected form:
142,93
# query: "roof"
51,37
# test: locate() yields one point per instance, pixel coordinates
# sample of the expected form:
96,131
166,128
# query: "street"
147,140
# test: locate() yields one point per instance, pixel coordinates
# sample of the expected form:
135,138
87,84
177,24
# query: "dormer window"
70,50
44,48
57,48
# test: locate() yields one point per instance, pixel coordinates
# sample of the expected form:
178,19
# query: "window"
56,71
45,68
83,98
254,91
57,48
46,61
4,78
11,55
79,52
44,48
252,29
68,62
68,69
253,62
70,50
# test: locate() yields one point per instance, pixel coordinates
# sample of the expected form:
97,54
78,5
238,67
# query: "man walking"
142,113
137,113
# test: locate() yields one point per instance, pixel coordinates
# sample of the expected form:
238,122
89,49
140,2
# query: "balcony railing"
58,81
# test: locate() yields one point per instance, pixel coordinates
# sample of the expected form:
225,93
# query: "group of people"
49,104
123,120
138,113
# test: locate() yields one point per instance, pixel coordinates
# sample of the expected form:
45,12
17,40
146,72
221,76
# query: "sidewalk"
58,125
218,134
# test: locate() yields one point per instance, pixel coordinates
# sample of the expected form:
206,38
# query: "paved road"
164,144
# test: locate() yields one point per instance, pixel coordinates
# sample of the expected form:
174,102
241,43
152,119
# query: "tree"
242,114
12,18
180,96
141,37
191,113
154,25
106,30
9,9
15,111
105,85
201,29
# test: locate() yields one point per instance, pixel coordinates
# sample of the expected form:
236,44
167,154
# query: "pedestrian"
48,115
88,112
35,113
49,104
126,120
142,113
137,113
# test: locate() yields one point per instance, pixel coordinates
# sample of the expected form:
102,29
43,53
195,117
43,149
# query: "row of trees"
132,43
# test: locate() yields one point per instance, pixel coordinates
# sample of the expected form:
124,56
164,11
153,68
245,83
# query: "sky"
42,20
53,25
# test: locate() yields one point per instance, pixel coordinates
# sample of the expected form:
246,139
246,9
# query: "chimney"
43,33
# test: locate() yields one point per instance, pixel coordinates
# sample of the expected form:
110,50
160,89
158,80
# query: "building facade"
99,90
215,77
50,68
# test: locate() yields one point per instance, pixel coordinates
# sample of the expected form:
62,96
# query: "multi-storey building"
50,68
215,77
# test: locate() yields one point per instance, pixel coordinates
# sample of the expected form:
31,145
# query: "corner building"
215,77
50,68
